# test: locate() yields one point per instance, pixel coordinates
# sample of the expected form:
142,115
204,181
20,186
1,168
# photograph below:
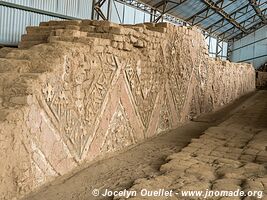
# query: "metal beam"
161,3
165,2
257,10
250,30
232,30
35,10
97,8
147,9
221,21
165,11
225,15
206,11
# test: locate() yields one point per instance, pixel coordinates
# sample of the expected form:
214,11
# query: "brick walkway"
230,156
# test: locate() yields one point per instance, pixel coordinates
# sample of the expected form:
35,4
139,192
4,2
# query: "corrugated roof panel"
44,5
211,20
189,8
234,5
79,9
249,25
21,2
85,9
263,6
245,17
222,29
12,25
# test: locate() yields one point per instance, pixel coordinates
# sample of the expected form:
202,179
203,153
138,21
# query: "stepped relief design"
75,90
120,134
76,103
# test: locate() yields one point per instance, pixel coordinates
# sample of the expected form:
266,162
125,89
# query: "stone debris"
77,90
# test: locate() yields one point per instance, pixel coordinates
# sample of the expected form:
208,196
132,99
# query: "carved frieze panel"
76,98
120,134
144,80
165,118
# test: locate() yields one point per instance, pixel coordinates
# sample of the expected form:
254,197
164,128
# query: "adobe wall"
93,87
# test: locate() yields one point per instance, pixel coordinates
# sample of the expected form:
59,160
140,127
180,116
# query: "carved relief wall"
93,87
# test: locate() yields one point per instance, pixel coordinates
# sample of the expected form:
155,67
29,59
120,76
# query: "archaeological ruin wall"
76,90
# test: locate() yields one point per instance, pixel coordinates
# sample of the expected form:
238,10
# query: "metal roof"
228,19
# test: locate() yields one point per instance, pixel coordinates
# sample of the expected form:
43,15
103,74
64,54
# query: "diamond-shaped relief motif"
144,86
180,74
119,134
165,115
76,102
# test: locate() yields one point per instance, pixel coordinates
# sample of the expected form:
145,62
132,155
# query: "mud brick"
157,29
65,23
138,29
88,28
99,49
27,44
129,31
85,40
57,32
133,39
60,38
120,45
118,38
34,37
73,33
141,25
73,27
38,30
139,44
43,24
100,41
262,157
163,25
102,23
114,44
149,24
116,30
20,100
86,22
102,29
127,46
96,35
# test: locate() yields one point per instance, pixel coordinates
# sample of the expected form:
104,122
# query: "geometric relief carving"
76,98
165,115
144,86
119,134
180,71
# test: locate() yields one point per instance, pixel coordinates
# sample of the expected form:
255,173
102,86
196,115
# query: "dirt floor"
141,161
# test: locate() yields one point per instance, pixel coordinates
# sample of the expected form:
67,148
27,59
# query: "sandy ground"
142,161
